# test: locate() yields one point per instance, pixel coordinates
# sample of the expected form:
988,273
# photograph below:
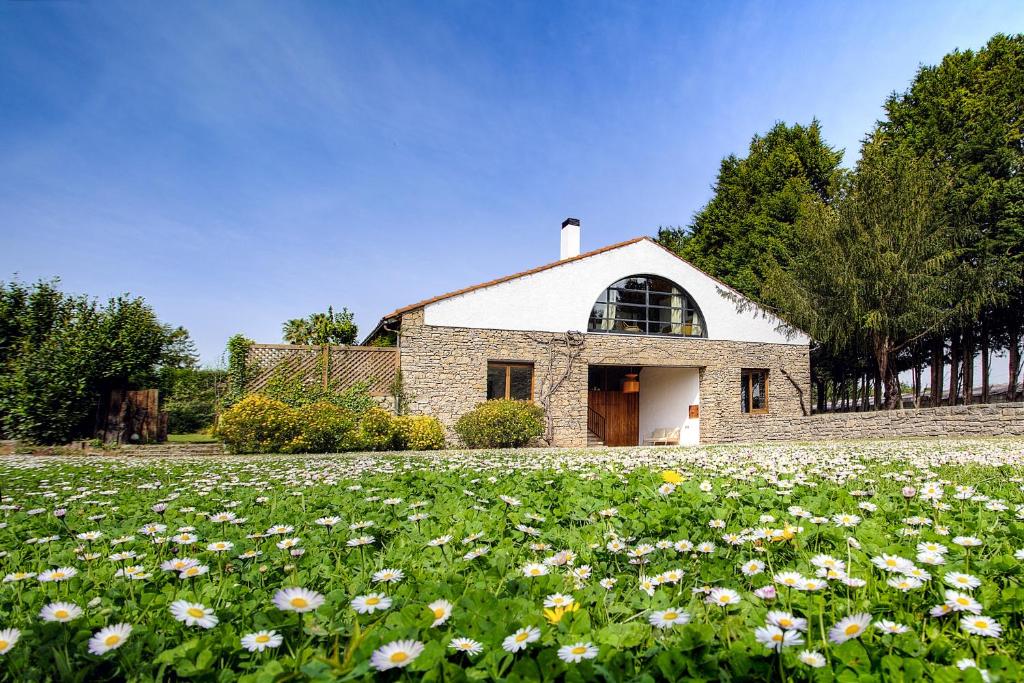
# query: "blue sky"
241,164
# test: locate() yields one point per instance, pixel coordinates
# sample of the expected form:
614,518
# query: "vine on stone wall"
568,346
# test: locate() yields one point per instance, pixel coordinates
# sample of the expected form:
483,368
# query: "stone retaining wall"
993,419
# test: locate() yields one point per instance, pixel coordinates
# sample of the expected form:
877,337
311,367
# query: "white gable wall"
560,299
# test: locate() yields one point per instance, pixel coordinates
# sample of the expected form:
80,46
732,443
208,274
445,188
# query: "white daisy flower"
297,600
520,639
981,626
8,639
261,640
397,654
467,645
668,618
441,609
367,604
812,659
193,614
109,638
774,638
60,611
849,627
577,652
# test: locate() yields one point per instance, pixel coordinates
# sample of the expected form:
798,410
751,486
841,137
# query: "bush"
419,433
258,424
323,428
378,430
501,424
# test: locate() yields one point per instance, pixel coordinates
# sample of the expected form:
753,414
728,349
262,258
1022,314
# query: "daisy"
786,621
18,576
558,600
60,611
109,638
849,627
8,639
58,574
904,583
577,653
520,639
962,581
328,521
967,541
467,645
178,565
220,546
892,563
297,600
981,626
774,638
961,602
752,567
442,609
261,640
535,569
723,597
812,659
388,576
193,614
608,583
367,604
790,579
888,626
193,571
668,618
397,654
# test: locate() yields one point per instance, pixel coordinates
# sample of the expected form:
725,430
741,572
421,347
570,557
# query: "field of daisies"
894,561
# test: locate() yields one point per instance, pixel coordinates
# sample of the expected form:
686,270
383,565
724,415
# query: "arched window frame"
621,309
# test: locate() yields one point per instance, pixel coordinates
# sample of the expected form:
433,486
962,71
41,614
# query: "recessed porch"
637,405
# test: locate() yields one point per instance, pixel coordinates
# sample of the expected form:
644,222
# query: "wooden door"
621,413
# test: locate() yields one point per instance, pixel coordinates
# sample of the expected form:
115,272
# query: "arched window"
647,304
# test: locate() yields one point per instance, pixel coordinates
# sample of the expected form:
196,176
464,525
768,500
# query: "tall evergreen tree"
881,264
757,199
968,114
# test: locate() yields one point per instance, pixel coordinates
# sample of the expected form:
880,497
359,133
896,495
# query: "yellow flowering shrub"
323,428
420,433
501,423
378,430
258,424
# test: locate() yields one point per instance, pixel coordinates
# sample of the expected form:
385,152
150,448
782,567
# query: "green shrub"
258,424
419,433
323,428
501,424
378,430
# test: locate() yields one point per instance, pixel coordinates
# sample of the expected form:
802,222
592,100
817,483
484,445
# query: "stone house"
617,344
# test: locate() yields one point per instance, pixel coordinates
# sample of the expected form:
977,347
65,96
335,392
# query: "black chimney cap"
571,221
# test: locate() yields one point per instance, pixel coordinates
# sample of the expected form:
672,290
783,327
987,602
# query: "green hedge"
501,424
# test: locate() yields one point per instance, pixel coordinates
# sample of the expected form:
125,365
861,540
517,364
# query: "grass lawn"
898,560
190,438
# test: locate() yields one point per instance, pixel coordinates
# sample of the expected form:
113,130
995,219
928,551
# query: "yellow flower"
555,615
671,477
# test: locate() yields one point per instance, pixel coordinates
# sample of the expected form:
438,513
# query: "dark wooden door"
621,413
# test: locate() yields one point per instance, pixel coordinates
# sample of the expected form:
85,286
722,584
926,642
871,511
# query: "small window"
510,380
754,391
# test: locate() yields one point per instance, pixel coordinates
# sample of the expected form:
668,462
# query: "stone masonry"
444,370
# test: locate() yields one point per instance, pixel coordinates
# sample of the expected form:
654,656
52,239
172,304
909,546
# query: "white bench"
663,437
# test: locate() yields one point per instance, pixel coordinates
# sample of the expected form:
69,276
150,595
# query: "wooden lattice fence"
339,366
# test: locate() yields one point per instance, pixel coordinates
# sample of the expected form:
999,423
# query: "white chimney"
570,238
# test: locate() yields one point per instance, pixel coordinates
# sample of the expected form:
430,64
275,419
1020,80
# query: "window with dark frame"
754,391
647,304
510,380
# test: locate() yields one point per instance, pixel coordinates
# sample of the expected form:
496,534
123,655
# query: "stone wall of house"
993,419
444,370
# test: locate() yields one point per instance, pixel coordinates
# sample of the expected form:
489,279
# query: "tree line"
913,259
